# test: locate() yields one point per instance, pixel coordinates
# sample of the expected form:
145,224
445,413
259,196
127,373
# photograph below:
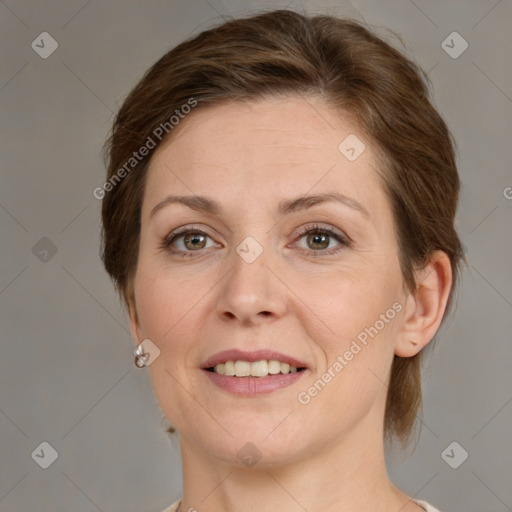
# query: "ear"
425,305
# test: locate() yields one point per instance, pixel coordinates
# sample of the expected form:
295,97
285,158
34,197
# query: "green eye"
318,240
194,241
187,241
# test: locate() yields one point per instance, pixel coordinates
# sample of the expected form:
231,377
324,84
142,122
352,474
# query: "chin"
252,444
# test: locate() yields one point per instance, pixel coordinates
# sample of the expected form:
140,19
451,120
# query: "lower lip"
253,386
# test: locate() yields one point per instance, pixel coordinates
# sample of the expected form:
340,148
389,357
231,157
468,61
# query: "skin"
297,297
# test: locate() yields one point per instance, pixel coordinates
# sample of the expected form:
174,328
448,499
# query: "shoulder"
175,506
424,504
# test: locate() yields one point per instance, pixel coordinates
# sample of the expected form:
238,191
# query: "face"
259,235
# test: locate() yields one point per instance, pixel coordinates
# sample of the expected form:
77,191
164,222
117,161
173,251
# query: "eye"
188,240
315,239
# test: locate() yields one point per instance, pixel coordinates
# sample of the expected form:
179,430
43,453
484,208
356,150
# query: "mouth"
260,363
262,368
253,373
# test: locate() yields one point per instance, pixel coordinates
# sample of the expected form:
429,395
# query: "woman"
279,219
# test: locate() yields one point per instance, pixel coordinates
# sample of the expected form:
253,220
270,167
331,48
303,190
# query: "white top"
424,504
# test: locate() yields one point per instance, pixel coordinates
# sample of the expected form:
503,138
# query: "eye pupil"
196,241
318,239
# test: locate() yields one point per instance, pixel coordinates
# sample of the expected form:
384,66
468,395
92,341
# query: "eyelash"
344,241
172,237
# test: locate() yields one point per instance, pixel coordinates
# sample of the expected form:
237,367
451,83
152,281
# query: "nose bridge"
250,290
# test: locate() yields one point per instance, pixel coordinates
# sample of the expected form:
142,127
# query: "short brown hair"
354,71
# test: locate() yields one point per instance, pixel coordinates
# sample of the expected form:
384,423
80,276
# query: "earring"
141,357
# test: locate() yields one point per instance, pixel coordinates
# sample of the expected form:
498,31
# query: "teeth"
259,369
229,368
242,368
274,367
255,369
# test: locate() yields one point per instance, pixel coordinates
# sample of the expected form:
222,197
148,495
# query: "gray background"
66,364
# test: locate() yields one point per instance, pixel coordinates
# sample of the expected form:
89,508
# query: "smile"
245,373
261,368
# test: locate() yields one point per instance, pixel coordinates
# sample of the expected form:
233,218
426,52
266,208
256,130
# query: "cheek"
170,311
352,379
172,306
347,302
353,321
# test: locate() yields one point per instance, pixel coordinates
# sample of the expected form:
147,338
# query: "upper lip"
258,355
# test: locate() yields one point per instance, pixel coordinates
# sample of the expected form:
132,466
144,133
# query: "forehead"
302,123
267,148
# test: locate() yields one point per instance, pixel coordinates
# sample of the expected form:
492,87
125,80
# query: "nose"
251,293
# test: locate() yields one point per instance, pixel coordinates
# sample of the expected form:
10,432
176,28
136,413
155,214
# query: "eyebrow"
207,205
